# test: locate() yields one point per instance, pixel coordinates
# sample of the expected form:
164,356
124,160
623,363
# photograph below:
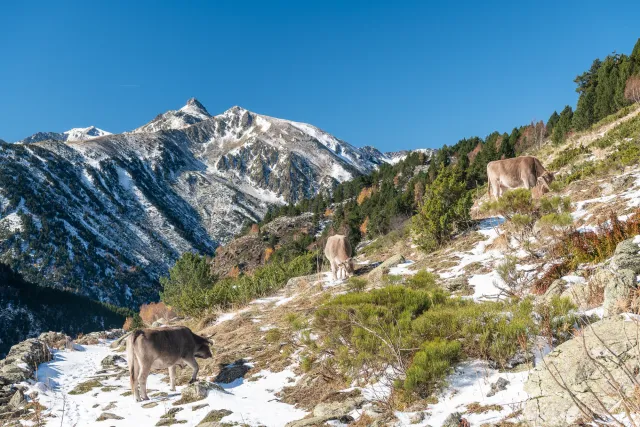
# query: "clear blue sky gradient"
390,74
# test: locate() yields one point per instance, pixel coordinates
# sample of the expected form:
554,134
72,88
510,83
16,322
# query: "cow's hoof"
192,381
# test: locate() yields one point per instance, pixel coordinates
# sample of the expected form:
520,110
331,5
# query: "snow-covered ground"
252,401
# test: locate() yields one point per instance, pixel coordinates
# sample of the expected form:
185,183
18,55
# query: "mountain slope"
75,134
106,217
193,112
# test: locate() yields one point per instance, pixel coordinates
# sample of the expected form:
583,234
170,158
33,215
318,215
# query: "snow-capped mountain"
75,134
193,112
118,210
393,157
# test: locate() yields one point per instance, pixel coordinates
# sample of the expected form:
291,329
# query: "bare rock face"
626,257
244,253
22,360
578,374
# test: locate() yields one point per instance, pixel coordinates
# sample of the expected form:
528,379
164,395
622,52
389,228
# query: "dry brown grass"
477,408
156,311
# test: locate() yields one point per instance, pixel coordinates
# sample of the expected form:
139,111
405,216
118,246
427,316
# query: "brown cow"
520,172
162,348
338,252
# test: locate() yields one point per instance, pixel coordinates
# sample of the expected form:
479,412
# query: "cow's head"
203,351
543,185
347,265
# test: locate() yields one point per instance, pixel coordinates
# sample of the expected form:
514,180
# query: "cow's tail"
131,358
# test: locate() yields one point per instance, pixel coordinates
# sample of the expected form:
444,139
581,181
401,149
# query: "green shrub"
556,220
296,322
273,335
557,319
423,280
513,202
356,284
185,289
567,156
306,363
430,366
445,210
191,289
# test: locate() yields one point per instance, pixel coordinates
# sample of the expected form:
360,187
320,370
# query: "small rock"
17,400
110,406
416,418
556,288
112,360
453,420
498,386
457,284
305,422
213,417
337,409
170,422
108,416
232,372
149,405
171,413
198,407
196,391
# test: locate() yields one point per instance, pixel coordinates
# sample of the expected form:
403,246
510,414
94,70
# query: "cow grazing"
520,172
162,348
338,252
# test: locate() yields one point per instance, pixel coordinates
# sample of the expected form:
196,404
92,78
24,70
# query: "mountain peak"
195,107
193,112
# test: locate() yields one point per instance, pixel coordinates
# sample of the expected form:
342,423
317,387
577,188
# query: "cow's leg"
334,269
193,364
142,380
172,377
134,378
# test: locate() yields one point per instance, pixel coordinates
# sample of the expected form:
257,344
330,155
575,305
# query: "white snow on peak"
84,134
193,112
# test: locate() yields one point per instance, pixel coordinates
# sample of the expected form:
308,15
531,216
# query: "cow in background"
520,172
338,252
162,348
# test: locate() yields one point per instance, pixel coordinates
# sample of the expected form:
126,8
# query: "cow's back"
175,341
337,246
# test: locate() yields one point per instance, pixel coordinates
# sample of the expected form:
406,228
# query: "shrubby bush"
445,210
192,290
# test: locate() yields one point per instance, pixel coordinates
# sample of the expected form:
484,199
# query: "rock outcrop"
584,371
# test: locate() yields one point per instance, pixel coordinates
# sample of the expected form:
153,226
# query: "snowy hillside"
75,134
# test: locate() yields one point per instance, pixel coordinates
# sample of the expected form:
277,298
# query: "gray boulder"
556,288
196,391
626,257
18,400
585,370
119,341
618,286
336,409
498,386
379,271
232,372
112,360
453,420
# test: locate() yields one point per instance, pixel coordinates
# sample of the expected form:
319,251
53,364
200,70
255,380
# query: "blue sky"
390,74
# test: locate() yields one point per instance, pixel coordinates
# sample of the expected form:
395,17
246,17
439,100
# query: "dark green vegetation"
191,289
27,309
